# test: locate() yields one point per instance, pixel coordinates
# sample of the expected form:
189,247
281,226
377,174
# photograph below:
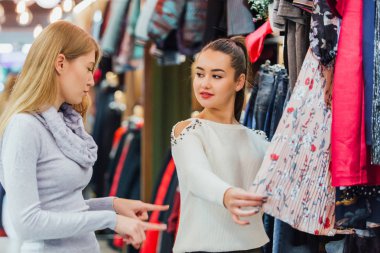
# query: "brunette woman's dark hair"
236,49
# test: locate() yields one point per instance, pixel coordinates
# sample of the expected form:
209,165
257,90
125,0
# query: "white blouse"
210,158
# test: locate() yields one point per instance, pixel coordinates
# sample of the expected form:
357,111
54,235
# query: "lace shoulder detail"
262,134
183,128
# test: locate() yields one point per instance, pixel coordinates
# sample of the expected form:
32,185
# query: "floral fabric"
324,32
295,172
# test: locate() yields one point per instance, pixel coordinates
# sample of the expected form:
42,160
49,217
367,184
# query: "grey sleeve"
101,204
20,152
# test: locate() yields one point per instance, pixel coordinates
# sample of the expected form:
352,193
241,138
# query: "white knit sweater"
210,158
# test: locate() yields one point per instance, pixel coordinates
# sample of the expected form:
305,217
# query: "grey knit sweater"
44,191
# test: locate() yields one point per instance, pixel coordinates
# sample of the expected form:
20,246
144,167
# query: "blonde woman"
46,157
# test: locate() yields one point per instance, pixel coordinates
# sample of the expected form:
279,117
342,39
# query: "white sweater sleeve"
193,168
20,151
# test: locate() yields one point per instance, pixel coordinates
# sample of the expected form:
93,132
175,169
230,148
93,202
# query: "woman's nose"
205,83
91,81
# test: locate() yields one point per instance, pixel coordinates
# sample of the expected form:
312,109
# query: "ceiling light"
6,48
68,5
37,30
20,7
56,14
25,18
47,4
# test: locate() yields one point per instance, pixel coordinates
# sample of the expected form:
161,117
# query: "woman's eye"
199,75
216,76
90,69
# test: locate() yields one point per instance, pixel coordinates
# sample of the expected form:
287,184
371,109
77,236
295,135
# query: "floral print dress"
295,172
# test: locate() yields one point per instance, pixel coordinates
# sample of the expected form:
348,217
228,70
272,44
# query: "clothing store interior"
316,87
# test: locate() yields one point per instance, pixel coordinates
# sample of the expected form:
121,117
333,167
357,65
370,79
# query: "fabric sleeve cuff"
111,219
220,194
101,203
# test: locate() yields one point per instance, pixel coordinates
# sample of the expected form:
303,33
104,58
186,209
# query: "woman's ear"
60,63
240,82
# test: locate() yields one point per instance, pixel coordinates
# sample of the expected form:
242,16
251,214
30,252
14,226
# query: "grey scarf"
67,128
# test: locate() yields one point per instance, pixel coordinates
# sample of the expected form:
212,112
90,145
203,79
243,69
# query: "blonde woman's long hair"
8,87
37,84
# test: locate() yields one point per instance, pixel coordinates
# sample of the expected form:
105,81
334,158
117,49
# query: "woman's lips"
206,95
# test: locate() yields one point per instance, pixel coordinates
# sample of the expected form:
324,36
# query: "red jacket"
350,159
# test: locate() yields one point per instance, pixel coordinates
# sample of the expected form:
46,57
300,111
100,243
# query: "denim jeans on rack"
287,239
268,118
369,7
335,246
249,118
277,101
266,84
268,226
